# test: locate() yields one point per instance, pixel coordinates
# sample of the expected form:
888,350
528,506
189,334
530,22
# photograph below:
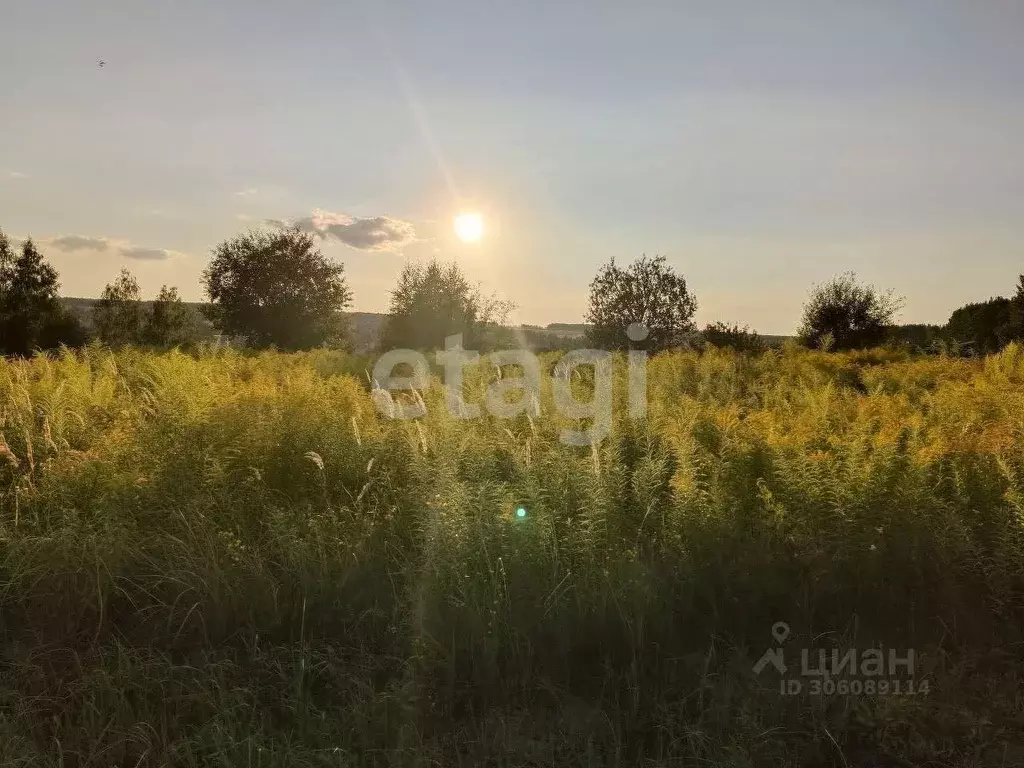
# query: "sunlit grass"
231,559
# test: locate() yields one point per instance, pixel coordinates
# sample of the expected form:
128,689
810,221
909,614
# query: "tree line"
33,318
275,288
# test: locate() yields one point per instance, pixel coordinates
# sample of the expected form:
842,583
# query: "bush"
843,314
722,335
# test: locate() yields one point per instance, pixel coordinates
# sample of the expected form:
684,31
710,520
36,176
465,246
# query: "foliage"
277,289
982,327
121,318
1014,328
31,316
62,328
433,301
843,314
169,322
920,337
545,340
231,559
985,327
647,292
723,335
118,316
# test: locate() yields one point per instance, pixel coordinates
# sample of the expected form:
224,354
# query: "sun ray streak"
414,104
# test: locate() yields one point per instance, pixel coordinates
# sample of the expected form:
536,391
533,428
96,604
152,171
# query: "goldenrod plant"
220,558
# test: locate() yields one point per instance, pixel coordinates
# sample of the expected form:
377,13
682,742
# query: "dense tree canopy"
1013,330
648,292
921,337
844,314
983,327
435,300
121,317
169,322
31,316
277,288
118,314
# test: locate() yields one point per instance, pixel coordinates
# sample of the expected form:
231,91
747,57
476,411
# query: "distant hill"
82,309
365,326
567,329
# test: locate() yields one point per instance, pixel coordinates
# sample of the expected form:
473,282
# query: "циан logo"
849,671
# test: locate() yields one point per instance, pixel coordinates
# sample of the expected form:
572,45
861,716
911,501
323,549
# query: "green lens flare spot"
521,512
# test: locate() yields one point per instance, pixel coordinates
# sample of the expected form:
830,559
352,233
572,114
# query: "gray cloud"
146,254
79,243
123,248
374,233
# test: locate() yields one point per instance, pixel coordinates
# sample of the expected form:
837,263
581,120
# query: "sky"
760,147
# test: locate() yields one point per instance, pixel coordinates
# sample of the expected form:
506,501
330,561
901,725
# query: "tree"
7,260
31,316
648,292
276,288
740,339
435,300
63,329
1013,329
982,327
118,314
985,327
169,322
843,314
920,337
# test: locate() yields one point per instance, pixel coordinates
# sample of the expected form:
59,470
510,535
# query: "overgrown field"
231,560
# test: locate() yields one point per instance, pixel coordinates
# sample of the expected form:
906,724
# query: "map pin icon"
780,631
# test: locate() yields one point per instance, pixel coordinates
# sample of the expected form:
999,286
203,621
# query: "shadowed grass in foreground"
233,560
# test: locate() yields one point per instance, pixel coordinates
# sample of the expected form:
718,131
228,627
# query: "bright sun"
469,226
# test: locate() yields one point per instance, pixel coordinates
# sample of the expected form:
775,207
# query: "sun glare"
469,226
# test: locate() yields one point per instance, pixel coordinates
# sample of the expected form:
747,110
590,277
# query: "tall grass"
228,559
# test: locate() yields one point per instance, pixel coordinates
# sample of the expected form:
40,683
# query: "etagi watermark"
869,672
496,399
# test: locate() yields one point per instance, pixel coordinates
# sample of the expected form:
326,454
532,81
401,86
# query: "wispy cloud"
146,254
247,192
79,243
123,248
17,175
372,233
